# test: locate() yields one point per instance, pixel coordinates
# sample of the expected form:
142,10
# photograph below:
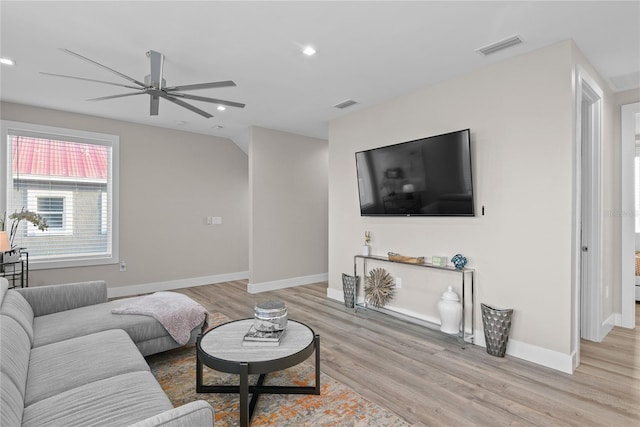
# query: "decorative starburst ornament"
379,288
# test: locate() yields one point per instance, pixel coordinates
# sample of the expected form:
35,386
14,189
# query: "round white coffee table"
221,349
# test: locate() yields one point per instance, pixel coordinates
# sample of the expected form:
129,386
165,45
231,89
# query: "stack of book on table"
257,338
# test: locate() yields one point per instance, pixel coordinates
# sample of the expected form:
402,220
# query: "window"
55,206
52,209
70,178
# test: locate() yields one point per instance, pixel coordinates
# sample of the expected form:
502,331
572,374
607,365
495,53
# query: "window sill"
44,264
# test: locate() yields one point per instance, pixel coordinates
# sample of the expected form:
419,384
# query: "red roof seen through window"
47,157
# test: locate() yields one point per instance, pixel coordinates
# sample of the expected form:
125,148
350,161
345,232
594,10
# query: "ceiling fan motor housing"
154,84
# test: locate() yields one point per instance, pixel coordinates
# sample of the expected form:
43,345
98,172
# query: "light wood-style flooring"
428,379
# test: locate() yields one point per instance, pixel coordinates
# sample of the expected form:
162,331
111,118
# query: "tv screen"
426,177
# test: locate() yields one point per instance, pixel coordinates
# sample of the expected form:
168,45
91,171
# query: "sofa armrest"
54,298
193,414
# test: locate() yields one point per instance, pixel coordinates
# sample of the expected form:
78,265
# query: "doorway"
588,322
630,127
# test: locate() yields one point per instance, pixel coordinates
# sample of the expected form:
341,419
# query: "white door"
589,209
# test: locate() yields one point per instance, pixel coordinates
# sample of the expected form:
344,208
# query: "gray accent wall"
170,181
289,213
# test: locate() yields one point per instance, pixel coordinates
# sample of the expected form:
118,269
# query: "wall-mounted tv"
425,177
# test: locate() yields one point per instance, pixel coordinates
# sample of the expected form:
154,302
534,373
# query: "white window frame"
48,132
67,211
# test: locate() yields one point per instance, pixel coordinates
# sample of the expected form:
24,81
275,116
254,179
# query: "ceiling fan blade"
209,85
185,105
212,100
89,80
156,60
122,95
154,105
132,80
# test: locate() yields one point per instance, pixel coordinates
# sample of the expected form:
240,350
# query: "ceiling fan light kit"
155,86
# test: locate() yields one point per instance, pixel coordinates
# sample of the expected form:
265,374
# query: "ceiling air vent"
344,104
499,45
626,81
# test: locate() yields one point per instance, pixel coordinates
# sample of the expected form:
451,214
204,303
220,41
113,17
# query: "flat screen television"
425,177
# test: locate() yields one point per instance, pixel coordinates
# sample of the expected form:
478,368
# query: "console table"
462,336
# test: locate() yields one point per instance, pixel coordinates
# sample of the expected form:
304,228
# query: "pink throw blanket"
178,313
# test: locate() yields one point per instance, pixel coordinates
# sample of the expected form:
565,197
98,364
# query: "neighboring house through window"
70,178
55,206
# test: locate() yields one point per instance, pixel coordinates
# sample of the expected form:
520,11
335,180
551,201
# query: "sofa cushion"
94,318
11,403
15,306
116,401
157,345
55,298
68,364
14,353
4,287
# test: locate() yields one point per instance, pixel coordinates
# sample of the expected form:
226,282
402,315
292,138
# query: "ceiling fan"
155,86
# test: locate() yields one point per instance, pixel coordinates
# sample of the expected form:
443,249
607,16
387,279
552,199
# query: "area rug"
337,405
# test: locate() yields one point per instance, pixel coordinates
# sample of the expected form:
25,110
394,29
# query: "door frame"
628,212
587,296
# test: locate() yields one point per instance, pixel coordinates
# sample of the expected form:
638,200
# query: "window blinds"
69,183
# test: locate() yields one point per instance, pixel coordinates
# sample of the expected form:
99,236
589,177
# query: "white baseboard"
607,326
532,353
335,294
618,319
575,360
431,322
124,291
541,356
254,288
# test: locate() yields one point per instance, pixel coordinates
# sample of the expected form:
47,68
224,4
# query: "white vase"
450,312
365,250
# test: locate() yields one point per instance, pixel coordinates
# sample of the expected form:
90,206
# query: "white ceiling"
369,51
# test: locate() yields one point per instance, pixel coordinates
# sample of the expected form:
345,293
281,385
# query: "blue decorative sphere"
459,261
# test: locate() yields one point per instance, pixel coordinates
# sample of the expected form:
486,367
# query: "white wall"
288,204
169,182
520,115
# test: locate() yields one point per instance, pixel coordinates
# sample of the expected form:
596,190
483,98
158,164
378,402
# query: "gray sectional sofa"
65,360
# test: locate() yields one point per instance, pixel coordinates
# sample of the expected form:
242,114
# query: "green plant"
24,215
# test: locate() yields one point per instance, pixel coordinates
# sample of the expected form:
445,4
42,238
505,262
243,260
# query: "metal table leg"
244,395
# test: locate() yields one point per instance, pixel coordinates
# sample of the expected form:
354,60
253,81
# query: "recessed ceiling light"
221,108
181,122
217,127
7,61
309,51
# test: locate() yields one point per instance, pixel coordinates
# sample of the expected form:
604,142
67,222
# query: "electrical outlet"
216,220
123,266
398,282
